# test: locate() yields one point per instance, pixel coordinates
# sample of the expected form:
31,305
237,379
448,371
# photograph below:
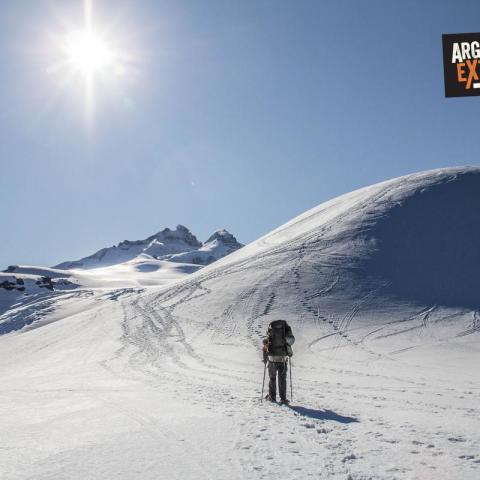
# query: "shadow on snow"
322,414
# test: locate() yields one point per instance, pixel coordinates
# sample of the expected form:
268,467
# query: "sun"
88,53
93,60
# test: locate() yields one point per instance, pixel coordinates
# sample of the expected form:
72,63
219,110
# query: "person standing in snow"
277,348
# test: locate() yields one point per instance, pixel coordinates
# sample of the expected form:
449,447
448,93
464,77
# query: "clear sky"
223,114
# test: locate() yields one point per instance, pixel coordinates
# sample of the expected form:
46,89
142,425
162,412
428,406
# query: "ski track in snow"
149,383
340,421
272,437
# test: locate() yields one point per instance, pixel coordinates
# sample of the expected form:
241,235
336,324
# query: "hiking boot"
270,399
285,401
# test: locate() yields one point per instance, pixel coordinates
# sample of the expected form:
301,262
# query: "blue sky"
229,114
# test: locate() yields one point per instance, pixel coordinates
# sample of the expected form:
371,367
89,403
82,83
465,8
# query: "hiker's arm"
265,350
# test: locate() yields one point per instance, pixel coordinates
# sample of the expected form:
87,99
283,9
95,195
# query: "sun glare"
89,58
88,53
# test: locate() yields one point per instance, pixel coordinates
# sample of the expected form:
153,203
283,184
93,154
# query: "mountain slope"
164,245
164,382
410,241
220,244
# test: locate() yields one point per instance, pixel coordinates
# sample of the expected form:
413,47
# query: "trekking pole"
263,384
291,388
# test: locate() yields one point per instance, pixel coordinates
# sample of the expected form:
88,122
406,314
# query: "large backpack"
277,344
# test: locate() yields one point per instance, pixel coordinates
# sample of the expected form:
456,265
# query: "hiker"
277,347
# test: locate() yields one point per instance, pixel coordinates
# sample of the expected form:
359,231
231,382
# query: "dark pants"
281,369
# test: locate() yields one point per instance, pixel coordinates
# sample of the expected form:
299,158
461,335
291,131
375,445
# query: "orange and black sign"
461,64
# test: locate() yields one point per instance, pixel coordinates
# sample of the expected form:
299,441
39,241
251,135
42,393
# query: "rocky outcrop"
13,283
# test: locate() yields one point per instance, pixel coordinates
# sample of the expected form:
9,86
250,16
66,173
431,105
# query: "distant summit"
179,245
220,244
224,237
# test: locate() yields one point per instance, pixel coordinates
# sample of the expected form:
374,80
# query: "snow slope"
163,382
31,283
142,270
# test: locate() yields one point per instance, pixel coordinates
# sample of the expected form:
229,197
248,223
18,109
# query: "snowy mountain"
167,256
218,245
414,239
380,288
165,245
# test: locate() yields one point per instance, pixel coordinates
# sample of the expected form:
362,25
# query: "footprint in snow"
349,458
387,440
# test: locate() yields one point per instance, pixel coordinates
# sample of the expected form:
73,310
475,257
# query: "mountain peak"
167,244
225,237
181,233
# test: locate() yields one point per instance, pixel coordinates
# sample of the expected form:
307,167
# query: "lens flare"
88,58
88,53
